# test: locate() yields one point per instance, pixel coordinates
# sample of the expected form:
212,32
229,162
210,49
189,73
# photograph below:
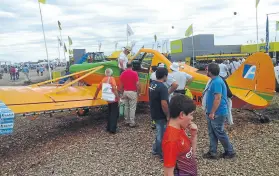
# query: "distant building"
203,45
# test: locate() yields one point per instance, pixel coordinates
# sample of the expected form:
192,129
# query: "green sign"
176,46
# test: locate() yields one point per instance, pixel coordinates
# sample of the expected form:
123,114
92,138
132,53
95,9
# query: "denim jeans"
160,130
216,132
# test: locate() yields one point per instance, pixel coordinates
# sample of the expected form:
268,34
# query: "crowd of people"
172,111
229,67
15,71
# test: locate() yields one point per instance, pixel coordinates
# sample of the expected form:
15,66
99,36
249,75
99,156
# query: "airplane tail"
256,76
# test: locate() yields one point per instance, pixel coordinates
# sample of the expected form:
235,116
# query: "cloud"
89,22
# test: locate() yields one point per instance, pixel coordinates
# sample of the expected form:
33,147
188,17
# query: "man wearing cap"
181,78
123,59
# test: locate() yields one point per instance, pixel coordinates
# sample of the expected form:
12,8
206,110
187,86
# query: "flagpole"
257,29
64,44
69,47
45,41
59,49
127,39
193,47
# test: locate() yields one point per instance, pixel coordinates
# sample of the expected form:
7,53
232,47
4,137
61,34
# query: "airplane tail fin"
255,74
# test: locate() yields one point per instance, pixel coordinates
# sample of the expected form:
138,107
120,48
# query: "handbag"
107,93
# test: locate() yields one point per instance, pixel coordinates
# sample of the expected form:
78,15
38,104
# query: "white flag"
133,44
129,30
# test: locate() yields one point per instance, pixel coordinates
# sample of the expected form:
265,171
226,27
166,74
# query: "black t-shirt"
157,92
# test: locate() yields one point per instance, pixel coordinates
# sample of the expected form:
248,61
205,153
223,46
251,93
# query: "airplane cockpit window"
142,62
146,62
140,56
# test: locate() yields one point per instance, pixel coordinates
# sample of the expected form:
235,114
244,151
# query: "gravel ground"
68,145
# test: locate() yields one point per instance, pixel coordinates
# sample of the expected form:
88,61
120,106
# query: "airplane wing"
25,100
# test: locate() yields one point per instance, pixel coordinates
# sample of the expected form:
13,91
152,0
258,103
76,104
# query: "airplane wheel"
82,112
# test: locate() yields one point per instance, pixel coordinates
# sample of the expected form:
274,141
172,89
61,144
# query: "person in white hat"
123,59
181,78
171,83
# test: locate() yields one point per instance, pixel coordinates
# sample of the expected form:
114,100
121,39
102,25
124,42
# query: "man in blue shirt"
25,70
216,114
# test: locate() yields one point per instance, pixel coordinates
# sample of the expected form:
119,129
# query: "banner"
59,25
189,31
42,1
129,30
65,48
176,46
257,2
70,40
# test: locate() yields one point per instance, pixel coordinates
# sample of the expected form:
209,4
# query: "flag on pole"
277,25
267,35
116,43
257,2
100,45
59,25
70,40
155,38
60,42
65,48
189,31
42,1
129,30
158,45
133,44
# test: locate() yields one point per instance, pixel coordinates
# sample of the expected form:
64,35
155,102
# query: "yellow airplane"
252,85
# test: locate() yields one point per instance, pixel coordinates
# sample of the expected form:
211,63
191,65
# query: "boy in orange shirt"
179,151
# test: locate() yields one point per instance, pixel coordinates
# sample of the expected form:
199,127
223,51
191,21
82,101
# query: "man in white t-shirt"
123,59
181,78
234,65
171,83
223,70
